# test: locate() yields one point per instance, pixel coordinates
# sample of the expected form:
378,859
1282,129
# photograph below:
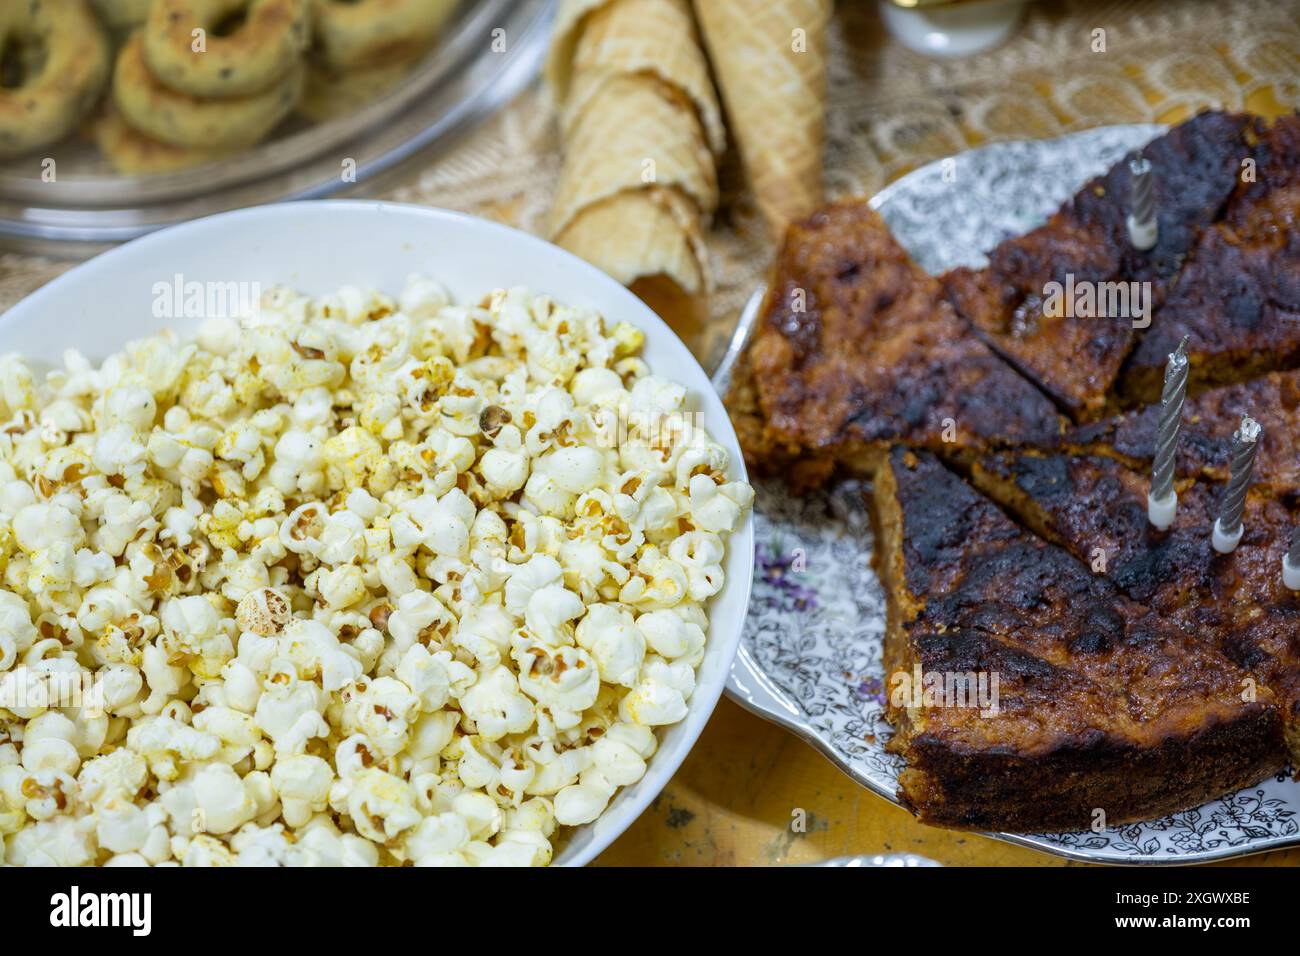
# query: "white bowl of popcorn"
450,572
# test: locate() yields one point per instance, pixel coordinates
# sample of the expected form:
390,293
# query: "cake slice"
1238,304
1072,348
768,451
1238,299
1100,705
1264,204
1095,508
857,349
1205,440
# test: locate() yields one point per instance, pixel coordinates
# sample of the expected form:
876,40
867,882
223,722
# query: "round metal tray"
489,51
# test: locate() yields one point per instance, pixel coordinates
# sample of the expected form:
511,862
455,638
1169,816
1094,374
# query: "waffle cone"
637,132
557,71
775,96
639,234
652,37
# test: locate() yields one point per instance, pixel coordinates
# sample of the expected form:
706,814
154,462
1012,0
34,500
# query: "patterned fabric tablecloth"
749,793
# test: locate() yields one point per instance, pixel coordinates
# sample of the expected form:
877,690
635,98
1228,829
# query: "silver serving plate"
810,659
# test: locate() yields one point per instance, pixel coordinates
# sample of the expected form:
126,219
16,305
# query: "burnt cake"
1140,672
857,350
1238,299
1076,358
1235,602
1101,705
1205,442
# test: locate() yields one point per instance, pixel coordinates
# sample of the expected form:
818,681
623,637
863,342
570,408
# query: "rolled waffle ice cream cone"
769,57
641,126
640,234
652,37
636,133
569,22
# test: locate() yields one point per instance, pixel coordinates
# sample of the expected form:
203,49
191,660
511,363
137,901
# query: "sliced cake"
858,349
1095,508
1205,440
1238,299
1024,302
1100,704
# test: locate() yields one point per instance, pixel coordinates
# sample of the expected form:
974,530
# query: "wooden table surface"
734,800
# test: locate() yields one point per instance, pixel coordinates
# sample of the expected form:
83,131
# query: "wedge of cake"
1238,299
1024,301
1095,508
1205,439
858,349
1100,705
1238,303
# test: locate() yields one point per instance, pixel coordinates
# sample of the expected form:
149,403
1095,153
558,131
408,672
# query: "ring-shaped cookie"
132,153
60,82
182,120
251,59
122,15
351,34
329,94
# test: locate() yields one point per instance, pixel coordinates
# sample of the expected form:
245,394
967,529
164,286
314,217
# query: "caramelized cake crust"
1238,299
1205,438
1234,602
857,349
1075,358
1100,704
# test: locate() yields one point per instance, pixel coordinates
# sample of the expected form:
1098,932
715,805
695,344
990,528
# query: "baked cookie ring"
182,120
260,52
122,15
60,82
352,34
132,153
330,94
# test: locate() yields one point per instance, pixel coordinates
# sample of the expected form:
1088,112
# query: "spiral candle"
1162,502
1291,562
1143,229
1245,443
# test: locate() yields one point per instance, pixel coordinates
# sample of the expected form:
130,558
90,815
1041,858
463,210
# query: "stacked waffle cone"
643,131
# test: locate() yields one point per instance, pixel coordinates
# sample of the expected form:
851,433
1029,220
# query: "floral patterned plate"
810,656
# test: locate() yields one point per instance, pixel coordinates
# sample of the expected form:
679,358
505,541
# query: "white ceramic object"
317,247
961,29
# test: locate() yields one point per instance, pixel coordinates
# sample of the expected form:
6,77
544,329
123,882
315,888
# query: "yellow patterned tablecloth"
889,111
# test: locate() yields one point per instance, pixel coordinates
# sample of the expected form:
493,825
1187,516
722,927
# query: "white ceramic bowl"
317,247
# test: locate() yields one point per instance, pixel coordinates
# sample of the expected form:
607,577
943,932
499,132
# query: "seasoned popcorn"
347,582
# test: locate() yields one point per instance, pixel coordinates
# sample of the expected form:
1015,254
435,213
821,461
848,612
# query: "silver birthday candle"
1291,561
1245,443
1162,502
1143,229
